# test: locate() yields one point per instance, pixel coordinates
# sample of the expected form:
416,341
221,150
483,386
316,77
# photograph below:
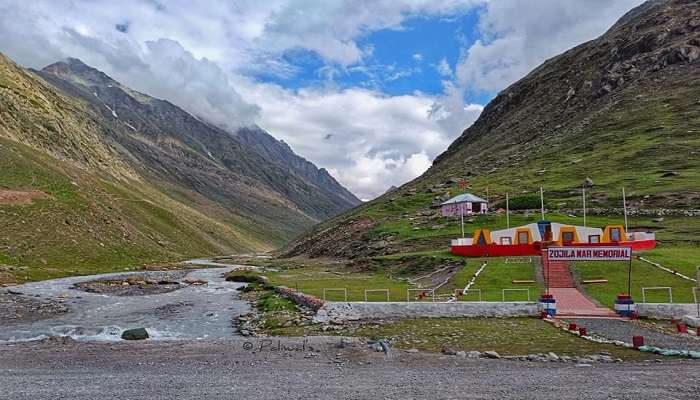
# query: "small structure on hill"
464,204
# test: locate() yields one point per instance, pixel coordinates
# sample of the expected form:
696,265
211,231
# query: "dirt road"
314,369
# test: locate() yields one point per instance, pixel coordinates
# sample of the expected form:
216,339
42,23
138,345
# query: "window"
615,234
523,237
594,239
567,237
506,241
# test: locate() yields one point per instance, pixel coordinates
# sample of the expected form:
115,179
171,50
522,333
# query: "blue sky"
399,61
358,87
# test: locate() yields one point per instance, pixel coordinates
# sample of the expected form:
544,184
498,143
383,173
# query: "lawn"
682,259
314,279
496,276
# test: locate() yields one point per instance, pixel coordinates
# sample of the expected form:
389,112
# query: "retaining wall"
353,311
665,310
302,299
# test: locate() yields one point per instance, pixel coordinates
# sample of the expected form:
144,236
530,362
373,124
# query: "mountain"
96,176
620,110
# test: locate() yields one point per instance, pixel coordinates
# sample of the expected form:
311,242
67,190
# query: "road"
226,369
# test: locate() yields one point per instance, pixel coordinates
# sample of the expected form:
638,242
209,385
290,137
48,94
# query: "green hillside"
622,110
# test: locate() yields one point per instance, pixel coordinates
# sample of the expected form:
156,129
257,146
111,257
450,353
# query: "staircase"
570,301
558,275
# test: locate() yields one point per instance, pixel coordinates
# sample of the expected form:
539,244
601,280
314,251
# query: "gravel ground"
226,369
624,330
17,307
150,283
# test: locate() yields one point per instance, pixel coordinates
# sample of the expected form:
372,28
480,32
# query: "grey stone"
552,356
448,350
474,354
412,351
135,334
462,354
491,354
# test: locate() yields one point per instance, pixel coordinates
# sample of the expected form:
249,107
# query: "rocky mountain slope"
620,110
94,176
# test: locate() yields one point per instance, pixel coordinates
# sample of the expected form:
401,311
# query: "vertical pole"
461,215
542,201
507,212
584,205
624,208
629,278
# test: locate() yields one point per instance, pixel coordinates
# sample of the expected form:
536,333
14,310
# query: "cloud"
515,39
203,56
369,141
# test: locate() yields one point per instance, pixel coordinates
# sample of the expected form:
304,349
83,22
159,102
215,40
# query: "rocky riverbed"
191,304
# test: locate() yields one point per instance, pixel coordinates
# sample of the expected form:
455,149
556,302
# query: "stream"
191,312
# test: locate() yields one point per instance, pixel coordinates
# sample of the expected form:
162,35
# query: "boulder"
448,350
491,354
135,334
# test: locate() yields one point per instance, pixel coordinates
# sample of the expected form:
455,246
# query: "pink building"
465,204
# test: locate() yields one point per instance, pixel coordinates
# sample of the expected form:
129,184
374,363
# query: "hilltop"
620,110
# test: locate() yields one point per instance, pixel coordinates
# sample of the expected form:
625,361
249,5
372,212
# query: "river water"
192,312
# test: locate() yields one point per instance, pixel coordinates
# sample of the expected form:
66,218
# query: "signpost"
594,253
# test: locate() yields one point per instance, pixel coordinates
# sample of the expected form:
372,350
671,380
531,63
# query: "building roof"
465,198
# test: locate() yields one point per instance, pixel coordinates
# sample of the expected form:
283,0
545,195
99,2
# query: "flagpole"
624,207
461,215
542,201
507,212
584,205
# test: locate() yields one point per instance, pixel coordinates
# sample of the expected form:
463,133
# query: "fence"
644,292
414,294
503,293
344,290
377,291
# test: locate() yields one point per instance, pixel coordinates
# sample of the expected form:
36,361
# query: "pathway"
570,301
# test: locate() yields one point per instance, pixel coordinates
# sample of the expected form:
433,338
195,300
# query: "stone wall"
353,311
302,299
665,310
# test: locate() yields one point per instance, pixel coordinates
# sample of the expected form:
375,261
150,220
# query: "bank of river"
190,312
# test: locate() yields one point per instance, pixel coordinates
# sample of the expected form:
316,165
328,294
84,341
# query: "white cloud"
200,55
516,38
369,141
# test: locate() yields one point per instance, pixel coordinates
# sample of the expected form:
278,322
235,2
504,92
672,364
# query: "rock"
448,350
588,182
491,354
135,334
657,220
474,354
670,174
244,332
552,356
462,354
412,351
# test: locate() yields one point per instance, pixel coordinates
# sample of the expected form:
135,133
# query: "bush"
245,277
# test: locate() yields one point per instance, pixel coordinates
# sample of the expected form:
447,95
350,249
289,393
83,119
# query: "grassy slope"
91,225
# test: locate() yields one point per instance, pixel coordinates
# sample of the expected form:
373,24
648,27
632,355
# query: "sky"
371,90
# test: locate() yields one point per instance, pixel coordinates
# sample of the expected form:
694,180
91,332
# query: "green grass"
682,259
511,336
497,275
312,280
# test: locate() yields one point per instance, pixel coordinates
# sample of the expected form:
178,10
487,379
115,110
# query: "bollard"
624,305
582,331
674,321
543,314
572,326
548,304
634,315
682,328
637,341
697,330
